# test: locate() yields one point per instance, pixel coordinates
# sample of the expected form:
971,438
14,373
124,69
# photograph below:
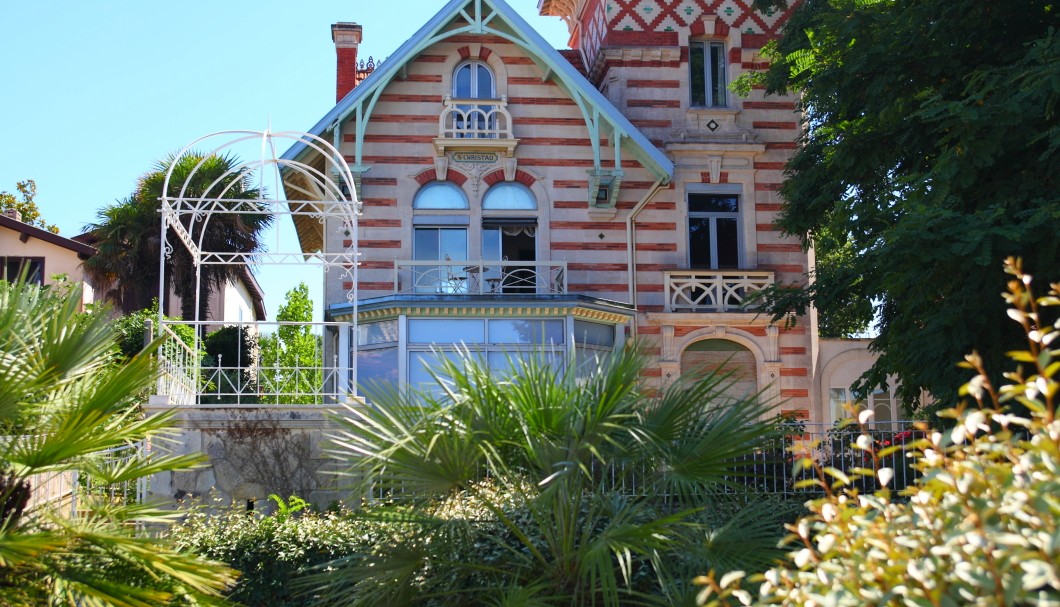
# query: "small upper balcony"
512,278
715,291
475,125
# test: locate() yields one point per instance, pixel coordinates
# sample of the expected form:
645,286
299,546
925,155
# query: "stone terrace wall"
252,451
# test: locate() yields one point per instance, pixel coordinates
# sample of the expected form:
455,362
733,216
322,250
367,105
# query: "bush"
130,330
980,525
276,551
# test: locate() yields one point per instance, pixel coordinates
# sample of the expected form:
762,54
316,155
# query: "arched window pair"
508,244
447,196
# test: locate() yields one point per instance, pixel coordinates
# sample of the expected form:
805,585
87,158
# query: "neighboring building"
238,301
521,199
42,255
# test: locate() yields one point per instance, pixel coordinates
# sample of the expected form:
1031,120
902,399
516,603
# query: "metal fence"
770,467
66,490
267,375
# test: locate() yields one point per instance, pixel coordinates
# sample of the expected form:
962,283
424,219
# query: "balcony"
513,278
717,291
475,125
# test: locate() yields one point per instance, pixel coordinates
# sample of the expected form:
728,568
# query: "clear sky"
97,92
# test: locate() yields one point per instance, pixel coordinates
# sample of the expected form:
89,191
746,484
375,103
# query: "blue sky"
97,92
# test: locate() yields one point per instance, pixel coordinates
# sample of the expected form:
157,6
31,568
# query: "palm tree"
127,235
63,402
542,488
125,267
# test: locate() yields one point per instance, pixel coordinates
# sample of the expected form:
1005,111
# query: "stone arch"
480,53
841,371
724,356
767,371
428,175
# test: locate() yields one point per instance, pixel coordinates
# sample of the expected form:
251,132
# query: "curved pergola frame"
186,216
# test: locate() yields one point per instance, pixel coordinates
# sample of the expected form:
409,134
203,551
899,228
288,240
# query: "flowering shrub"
274,552
980,525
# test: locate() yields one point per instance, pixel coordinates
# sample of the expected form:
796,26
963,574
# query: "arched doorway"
722,356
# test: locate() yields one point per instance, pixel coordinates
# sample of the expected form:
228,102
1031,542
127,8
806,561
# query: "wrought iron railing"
268,374
770,467
475,119
178,365
714,290
66,489
481,277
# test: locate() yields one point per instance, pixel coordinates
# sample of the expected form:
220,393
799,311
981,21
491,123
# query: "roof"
560,69
27,231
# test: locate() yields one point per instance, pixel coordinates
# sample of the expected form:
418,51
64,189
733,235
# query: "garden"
519,492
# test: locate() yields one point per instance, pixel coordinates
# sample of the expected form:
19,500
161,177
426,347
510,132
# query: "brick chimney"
13,214
346,36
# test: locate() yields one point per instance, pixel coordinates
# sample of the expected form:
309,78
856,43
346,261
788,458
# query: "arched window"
440,195
440,237
509,196
473,80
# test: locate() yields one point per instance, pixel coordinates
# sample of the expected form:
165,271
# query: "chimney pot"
347,37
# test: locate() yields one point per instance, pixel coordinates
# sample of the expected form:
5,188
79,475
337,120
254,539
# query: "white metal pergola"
333,204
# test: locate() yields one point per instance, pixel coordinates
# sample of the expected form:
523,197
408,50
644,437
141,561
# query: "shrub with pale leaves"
982,524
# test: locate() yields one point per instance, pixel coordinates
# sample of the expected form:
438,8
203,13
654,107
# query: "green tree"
127,235
931,152
26,206
60,379
292,358
532,486
979,526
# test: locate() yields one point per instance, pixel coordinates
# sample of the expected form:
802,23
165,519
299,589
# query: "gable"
493,18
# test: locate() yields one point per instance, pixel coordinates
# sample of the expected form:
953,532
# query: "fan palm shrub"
64,400
537,487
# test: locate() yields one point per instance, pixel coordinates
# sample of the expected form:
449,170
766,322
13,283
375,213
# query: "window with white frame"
499,342
509,239
714,229
406,351
377,354
440,236
474,80
707,64
844,403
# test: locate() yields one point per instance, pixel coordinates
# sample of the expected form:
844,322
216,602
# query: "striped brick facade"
641,65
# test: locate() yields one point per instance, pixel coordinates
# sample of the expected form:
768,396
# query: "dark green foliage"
979,524
932,152
130,330
231,345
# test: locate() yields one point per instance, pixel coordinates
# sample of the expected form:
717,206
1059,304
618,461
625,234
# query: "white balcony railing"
481,277
714,290
475,119
270,376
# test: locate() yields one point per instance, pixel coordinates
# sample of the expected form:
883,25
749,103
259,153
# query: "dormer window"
707,78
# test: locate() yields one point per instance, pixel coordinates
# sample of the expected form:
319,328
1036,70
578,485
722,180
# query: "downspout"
631,248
